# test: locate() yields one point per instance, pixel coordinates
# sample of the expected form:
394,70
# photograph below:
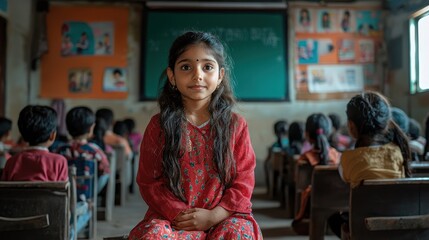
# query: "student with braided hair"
317,130
381,149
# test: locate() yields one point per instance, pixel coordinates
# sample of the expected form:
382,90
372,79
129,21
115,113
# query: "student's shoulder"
238,119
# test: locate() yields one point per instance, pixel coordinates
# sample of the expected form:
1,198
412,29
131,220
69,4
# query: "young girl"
197,164
317,128
381,149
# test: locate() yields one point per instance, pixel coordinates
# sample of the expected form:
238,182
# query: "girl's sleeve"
149,177
237,197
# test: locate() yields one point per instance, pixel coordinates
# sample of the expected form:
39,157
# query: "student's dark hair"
5,126
120,128
371,114
414,129
335,120
296,136
318,128
172,115
36,123
100,129
130,123
106,114
400,118
280,129
79,121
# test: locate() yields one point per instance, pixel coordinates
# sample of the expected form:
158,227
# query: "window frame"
414,50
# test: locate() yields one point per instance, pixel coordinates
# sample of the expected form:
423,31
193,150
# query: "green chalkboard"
256,43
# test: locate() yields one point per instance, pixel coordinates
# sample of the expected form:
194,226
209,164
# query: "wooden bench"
34,210
116,238
329,194
419,169
390,209
303,174
123,171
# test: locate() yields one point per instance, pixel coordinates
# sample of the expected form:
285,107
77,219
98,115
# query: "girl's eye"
185,67
208,67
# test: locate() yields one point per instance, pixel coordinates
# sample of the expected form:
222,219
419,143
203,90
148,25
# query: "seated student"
80,123
281,143
5,128
317,128
111,138
381,149
296,137
134,136
417,142
401,119
336,139
37,125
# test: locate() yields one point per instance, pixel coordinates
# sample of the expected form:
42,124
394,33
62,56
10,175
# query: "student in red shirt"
37,125
197,163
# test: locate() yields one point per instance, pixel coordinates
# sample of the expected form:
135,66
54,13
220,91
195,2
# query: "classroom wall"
23,87
397,39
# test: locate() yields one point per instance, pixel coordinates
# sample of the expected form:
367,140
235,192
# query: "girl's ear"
170,75
352,129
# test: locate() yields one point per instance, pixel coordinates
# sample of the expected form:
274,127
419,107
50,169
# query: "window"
419,49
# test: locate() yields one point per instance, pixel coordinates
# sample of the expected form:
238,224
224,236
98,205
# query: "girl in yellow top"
381,149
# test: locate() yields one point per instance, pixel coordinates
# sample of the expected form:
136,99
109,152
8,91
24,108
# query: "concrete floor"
268,214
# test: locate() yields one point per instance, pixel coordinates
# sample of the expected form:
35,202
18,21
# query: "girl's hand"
199,219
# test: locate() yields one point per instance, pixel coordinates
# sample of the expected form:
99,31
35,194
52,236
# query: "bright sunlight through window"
419,49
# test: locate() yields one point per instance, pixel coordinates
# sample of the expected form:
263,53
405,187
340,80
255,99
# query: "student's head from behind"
106,114
120,128
335,120
400,118
368,114
199,60
296,132
281,128
414,130
130,123
80,121
317,128
5,127
37,125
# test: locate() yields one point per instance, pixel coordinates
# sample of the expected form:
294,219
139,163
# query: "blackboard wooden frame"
282,90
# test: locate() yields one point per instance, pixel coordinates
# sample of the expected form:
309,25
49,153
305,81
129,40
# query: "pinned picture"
303,20
346,51
326,21
82,38
301,77
335,78
366,50
326,51
346,19
369,75
79,80
115,80
368,22
307,51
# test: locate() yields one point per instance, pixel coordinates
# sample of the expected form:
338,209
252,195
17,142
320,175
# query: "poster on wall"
346,20
307,51
346,50
368,22
87,38
115,80
304,20
369,75
3,7
335,78
326,20
366,50
79,80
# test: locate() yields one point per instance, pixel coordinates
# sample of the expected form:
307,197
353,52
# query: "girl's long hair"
172,116
371,113
318,127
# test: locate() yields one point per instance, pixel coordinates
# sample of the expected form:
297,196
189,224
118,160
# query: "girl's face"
196,74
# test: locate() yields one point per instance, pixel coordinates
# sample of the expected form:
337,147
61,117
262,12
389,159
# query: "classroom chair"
107,203
329,194
393,209
34,210
123,174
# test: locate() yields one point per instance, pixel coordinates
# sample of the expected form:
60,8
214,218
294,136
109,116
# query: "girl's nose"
198,74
